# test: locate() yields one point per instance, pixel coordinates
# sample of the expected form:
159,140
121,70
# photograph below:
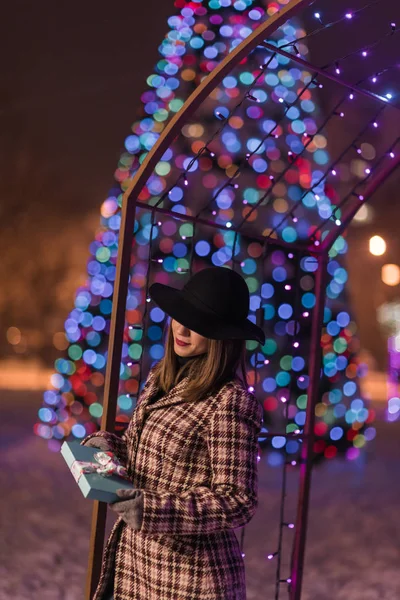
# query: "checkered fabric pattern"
196,463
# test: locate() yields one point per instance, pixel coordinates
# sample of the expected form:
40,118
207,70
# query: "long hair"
207,372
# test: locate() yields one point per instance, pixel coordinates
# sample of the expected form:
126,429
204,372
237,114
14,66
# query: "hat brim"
174,303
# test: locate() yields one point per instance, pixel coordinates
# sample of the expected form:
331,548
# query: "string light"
251,97
207,149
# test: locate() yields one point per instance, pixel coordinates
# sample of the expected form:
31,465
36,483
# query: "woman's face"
197,344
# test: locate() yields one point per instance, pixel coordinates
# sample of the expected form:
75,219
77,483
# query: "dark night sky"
71,79
72,75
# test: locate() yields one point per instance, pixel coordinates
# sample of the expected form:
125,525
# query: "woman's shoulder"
237,384
236,388
235,393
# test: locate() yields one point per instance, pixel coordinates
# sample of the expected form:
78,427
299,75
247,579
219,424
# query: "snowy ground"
353,546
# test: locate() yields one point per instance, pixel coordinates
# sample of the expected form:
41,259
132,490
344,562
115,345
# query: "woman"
191,450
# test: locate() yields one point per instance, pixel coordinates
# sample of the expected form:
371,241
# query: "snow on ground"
353,545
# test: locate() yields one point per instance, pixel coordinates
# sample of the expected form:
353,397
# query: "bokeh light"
200,35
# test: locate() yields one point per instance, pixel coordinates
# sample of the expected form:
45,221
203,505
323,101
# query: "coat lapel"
145,406
170,398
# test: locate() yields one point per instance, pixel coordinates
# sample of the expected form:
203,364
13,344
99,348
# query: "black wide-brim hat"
214,303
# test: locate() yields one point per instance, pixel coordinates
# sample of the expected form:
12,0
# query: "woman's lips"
181,343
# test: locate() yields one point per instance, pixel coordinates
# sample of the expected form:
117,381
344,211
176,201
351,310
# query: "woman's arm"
232,498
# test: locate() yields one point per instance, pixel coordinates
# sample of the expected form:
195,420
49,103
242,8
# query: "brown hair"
207,372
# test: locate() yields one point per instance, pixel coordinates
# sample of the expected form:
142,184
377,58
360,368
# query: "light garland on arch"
73,406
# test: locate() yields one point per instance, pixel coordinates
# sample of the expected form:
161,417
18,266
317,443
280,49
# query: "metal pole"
324,73
370,190
112,380
209,223
306,454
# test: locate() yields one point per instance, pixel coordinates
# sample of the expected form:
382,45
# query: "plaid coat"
196,463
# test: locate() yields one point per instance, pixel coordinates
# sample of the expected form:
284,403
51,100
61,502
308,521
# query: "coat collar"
170,398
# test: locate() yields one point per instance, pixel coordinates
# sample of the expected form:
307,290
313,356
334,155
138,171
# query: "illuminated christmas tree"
201,34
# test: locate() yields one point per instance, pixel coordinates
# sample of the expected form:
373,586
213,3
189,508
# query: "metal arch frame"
306,454
128,211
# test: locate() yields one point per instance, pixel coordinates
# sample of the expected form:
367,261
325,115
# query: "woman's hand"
129,507
98,442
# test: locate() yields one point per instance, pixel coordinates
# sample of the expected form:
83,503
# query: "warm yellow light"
13,335
60,340
364,214
391,274
377,245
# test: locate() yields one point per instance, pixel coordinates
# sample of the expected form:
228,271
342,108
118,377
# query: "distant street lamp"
377,245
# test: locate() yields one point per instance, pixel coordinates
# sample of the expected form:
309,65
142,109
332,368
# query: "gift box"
99,474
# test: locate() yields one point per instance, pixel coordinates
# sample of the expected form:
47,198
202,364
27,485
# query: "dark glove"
98,442
130,507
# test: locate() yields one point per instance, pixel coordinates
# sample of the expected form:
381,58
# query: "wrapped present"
99,474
